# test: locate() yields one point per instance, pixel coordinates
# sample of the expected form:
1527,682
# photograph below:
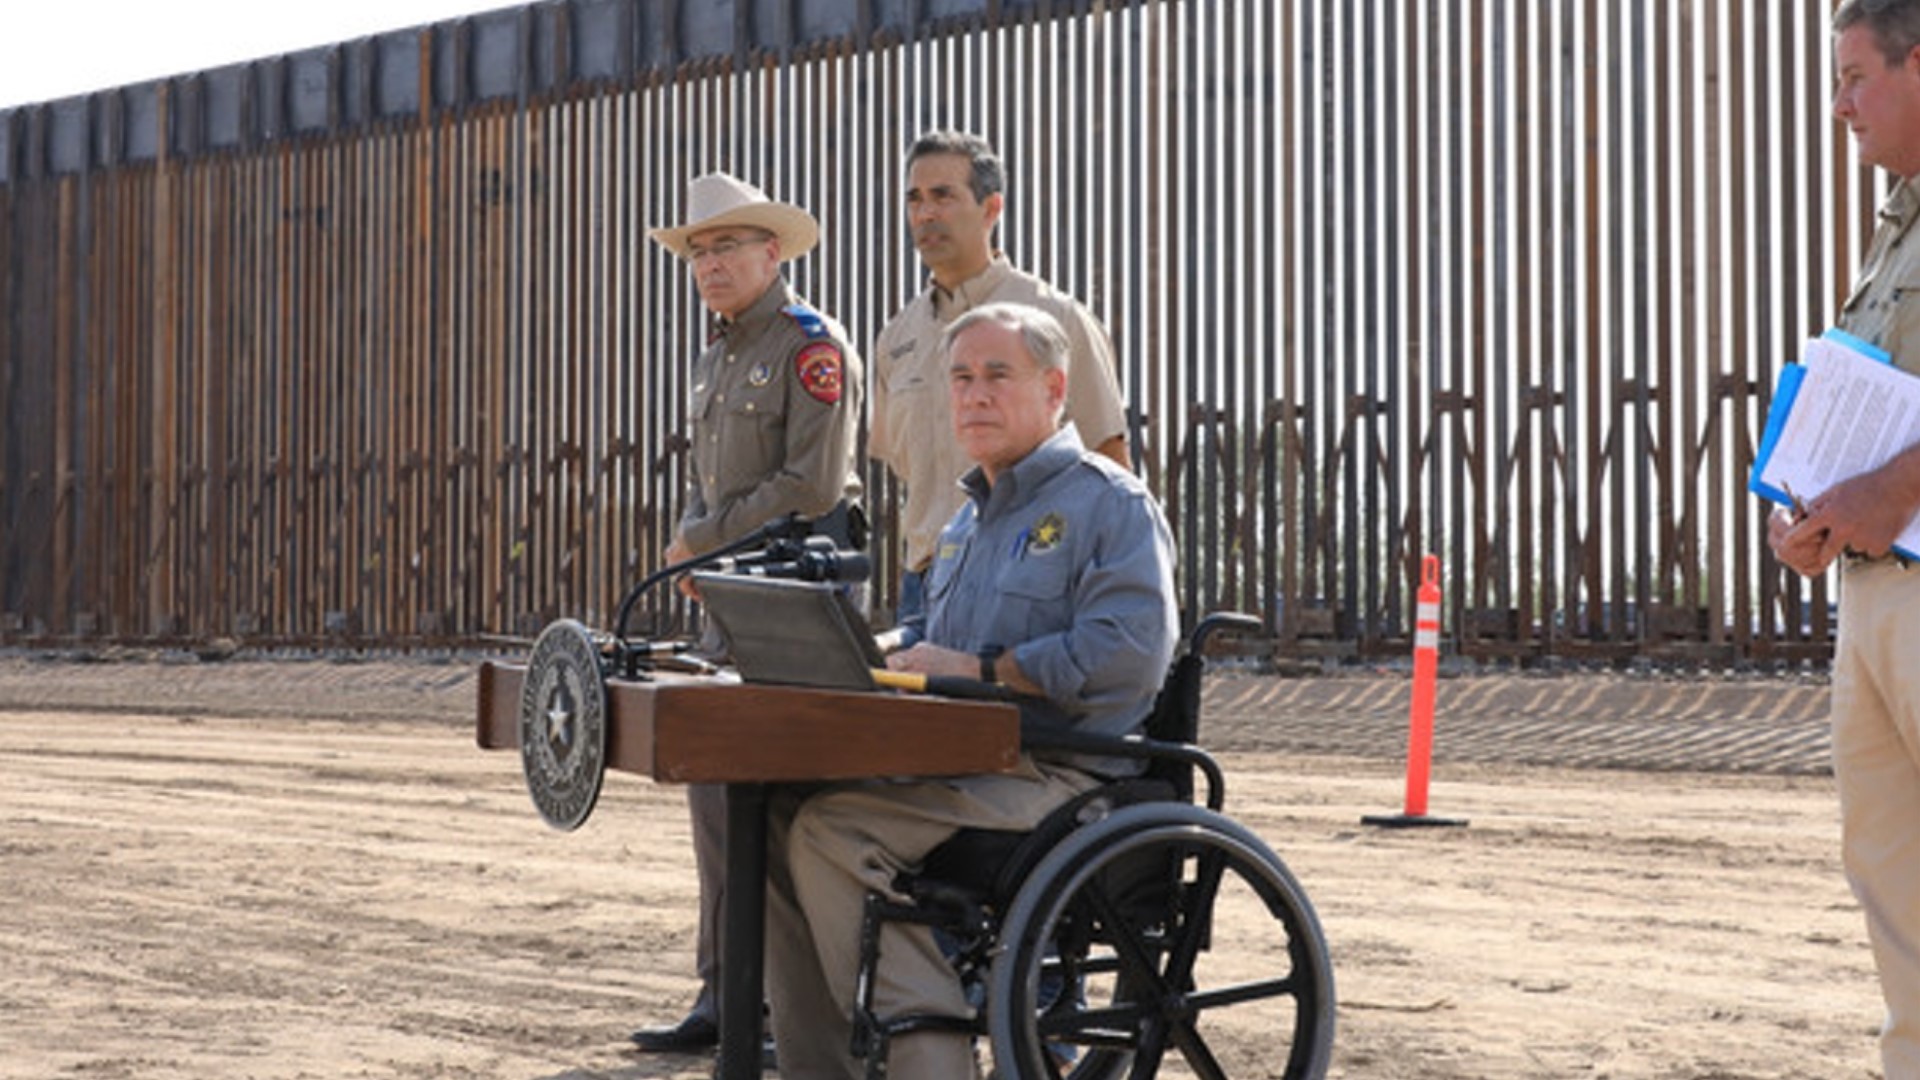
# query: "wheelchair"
1131,934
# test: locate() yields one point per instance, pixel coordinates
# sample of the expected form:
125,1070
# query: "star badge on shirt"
821,371
1046,534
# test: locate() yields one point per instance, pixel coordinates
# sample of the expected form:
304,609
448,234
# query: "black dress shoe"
696,1032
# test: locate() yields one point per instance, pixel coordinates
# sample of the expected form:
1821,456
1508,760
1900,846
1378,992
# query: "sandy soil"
190,894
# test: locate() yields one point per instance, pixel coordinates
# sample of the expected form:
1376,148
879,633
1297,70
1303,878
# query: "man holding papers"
1844,411
1876,670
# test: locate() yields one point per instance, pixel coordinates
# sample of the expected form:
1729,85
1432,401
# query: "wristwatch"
987,659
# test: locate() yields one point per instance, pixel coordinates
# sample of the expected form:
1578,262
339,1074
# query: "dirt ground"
276,870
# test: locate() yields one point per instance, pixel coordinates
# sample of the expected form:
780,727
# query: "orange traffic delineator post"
1426,669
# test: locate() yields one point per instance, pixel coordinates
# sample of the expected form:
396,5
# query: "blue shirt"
1064,563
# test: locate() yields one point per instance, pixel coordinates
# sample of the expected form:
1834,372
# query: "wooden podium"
681,729
693,729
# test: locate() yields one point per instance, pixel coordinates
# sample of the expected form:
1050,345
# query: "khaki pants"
826,849
1876,761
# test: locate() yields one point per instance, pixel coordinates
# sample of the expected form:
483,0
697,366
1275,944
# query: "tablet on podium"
796,633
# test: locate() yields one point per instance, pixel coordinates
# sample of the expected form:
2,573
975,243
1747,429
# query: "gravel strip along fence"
1715,723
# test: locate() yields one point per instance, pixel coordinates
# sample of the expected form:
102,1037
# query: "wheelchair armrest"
1221,622
1039,737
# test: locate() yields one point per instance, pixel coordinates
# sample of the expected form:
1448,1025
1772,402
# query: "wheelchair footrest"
873,1037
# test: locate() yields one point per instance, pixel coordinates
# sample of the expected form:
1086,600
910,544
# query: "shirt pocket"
1902,337
1034,596
940,577
756,424
700,403
912,411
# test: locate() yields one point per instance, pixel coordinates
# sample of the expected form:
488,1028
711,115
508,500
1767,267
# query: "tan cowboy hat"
718,200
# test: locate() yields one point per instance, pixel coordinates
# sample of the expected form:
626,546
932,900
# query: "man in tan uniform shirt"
955,185
775,416
1876,669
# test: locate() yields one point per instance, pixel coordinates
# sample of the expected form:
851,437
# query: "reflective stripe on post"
1426,671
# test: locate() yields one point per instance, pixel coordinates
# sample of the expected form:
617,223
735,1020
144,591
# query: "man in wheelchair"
1056,580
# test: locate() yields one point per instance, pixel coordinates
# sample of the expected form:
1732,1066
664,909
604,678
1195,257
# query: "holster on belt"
845,525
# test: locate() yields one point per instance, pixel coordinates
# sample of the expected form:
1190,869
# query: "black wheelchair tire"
1131,1033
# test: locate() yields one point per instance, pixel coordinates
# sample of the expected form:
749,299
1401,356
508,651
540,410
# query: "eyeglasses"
723,249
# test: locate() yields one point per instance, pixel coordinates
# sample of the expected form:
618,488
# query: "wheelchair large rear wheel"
1166,940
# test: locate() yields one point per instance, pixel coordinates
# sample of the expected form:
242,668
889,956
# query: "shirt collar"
754,321
1017,485
971,293
1902,206
1901,202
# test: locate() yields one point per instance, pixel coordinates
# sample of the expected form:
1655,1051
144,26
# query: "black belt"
1855,558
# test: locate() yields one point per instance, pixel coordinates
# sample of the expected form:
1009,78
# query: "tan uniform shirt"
1884,307
775,417
912,429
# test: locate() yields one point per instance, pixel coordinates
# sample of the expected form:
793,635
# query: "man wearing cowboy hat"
775,414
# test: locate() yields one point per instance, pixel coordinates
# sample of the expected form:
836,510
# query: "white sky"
59,48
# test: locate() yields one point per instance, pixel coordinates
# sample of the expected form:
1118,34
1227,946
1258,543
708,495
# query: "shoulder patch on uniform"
811,322
821,369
